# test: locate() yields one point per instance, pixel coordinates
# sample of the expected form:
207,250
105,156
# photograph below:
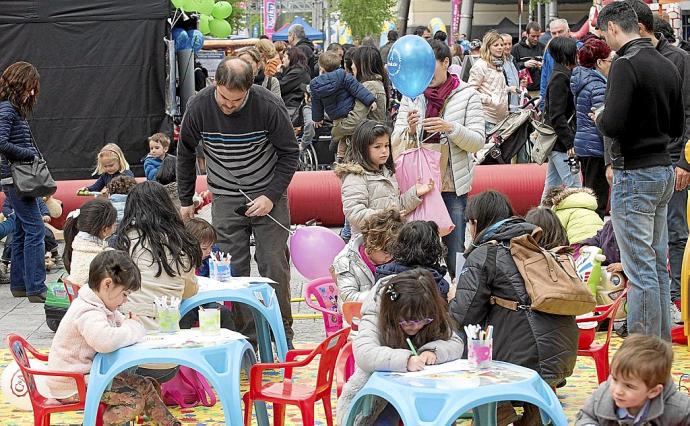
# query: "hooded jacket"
364,193
394,268
576,209
353,276
545,343
589,87
335,93
371,356
669,408
523,52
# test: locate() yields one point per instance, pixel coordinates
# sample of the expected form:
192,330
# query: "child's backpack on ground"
188,389
550,277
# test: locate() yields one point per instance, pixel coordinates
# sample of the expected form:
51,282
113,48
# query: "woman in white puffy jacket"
487,77
449,115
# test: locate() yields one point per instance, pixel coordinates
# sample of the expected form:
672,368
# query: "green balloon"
205,6
179,4
204,21
189,5
222,10
220,28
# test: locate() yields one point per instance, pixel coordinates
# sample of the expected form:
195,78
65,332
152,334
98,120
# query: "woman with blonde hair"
486,76
269,55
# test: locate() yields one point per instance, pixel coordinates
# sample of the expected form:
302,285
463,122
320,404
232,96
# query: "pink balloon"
313,248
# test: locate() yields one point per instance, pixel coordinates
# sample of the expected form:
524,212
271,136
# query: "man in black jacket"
643,114
677,216
298,38
528,53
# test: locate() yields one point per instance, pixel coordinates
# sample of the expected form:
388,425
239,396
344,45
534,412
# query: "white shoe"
675,314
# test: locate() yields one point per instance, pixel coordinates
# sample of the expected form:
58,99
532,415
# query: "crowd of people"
617,101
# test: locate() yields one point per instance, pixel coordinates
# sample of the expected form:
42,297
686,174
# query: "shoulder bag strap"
33,142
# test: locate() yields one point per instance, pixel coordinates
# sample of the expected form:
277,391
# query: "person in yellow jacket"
576,209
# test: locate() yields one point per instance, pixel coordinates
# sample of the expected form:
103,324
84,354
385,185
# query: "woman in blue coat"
588,84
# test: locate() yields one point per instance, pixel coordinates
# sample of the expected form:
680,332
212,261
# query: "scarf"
436,97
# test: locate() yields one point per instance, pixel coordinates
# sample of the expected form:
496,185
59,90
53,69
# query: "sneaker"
675,314
4,277
5,267
57,260
622,330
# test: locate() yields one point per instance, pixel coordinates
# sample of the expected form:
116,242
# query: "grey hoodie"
670,408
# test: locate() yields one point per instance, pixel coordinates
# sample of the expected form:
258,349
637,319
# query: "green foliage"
365,17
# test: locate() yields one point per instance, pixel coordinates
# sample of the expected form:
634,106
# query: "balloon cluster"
212,16
184,40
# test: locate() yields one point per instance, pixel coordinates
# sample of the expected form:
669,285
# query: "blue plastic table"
261,298
440,398
219,362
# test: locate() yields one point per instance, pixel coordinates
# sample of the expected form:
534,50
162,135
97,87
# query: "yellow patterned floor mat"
580,385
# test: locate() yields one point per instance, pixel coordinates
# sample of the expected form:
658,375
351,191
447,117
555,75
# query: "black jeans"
594,173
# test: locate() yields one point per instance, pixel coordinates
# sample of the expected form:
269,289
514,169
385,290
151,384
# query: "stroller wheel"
307,158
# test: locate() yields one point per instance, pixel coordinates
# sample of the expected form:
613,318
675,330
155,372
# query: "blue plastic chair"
220,364
433,401
262,300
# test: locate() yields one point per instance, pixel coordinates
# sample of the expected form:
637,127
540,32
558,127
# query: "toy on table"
479,345
220,266
87,193
168,313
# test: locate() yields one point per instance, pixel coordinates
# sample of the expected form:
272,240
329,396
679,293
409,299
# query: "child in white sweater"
93,324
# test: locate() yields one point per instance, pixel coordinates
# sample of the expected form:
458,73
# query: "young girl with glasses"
404,313
368,177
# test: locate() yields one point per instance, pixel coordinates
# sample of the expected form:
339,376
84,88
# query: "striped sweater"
253,149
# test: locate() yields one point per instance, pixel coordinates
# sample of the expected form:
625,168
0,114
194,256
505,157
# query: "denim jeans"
558,173
28,269
677,221
455,241
346,232
639,203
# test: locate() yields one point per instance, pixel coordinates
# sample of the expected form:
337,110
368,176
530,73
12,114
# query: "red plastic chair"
352,310
42,408
600,351
344,367
325,291
288,392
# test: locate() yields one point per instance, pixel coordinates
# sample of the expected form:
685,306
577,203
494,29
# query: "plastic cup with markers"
209,320
168,315
479,346
220,266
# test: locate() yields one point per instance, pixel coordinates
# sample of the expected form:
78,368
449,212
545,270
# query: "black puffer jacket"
543,342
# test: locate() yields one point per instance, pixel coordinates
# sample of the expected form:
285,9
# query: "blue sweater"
589,87
15,138
151,166
335,92
104,180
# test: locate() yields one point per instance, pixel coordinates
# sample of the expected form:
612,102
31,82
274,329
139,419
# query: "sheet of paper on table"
448,367
187,339
235,283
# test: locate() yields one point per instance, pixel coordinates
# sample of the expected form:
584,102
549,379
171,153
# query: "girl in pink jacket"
93,324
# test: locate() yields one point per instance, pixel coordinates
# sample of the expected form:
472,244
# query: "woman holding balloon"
449,113
486,76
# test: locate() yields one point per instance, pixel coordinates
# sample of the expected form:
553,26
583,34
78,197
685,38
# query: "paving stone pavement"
18,315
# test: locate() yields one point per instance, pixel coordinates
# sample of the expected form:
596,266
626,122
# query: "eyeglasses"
416,323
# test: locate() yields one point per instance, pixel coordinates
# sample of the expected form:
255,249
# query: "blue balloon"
181,39
411,65
196,40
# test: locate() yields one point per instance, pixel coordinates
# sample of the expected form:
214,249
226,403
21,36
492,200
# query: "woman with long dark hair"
294,79
19,88
559,111
368,69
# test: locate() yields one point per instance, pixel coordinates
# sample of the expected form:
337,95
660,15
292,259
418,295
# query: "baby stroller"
506,139
314,152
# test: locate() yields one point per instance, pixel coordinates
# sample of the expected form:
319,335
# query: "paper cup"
479,353
209,321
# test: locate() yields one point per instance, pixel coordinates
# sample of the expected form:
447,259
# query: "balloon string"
271,217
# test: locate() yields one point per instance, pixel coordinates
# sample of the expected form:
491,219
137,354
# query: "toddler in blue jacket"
335,91
159,143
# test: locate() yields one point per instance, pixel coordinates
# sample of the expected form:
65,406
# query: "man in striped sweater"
251,150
